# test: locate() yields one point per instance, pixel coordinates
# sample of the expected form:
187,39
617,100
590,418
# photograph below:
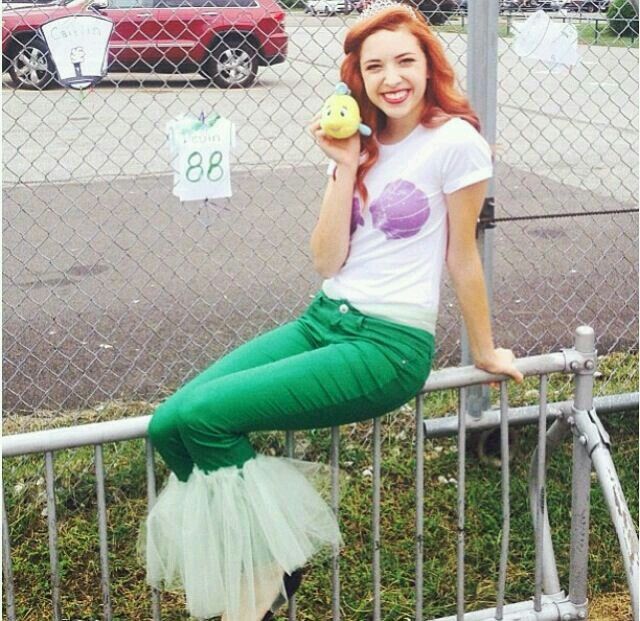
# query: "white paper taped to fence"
201,152
554,44
78,46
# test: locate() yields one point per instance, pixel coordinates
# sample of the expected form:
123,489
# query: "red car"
224,40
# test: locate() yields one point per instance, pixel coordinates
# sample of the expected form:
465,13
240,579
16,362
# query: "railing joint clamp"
587,427
605,438
578,362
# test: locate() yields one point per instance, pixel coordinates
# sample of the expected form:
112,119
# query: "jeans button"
343,308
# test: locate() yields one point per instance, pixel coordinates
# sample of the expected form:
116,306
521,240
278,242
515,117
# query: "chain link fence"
115,289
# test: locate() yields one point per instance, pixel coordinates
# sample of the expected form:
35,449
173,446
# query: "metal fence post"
290,444
482,88
595,444
581,475
7,569
151,499
52,528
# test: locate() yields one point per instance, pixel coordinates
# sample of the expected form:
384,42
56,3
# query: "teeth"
395,96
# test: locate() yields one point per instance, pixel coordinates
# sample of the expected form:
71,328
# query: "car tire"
31,66
436,18
232,65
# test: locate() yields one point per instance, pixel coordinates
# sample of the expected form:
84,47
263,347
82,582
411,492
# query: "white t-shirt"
398,245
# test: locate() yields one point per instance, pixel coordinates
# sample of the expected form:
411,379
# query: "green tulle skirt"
226,538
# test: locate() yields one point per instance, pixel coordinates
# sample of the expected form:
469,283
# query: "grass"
125,489
588,33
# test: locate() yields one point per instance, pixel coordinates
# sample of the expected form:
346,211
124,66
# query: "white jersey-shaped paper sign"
78,45
202,152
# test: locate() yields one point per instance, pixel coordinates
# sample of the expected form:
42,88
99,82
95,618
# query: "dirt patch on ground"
610,607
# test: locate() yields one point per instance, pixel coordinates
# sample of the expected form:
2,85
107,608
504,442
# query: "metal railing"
591,447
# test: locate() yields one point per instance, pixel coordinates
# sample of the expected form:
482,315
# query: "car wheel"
31,66
436,18
233,65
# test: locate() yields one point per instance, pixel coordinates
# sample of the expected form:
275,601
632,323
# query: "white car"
328,7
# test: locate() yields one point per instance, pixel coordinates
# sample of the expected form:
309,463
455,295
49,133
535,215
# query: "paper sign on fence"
554,44
78,46
201,157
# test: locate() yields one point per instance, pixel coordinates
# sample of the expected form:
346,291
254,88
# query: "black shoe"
291,585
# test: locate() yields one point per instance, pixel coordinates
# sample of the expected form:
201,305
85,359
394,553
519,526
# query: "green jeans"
331,366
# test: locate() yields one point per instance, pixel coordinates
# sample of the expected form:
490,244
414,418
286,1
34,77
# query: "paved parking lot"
112,287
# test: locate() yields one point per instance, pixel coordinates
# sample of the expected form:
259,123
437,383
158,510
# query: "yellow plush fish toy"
341,115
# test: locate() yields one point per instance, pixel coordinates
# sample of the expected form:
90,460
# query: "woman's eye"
404,61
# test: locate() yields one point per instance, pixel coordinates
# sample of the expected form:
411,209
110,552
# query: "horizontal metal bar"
73,437
552,610
131,428
458,377
448,425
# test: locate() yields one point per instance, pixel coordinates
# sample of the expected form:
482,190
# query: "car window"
130,4
205,3
241,3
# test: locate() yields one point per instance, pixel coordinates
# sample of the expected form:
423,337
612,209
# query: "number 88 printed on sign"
215,172
202,163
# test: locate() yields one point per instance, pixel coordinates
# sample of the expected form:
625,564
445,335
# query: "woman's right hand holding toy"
344,152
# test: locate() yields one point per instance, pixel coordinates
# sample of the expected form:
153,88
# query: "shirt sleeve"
466,159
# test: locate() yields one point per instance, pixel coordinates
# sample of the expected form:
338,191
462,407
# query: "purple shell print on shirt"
356,216
401,210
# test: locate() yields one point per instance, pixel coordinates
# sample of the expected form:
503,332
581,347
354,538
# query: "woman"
233,528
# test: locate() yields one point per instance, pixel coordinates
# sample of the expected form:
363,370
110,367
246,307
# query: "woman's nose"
391,78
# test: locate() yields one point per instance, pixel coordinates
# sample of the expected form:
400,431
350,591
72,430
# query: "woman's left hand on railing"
501,362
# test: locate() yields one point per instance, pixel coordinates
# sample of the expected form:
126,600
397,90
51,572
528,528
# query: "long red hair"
442,98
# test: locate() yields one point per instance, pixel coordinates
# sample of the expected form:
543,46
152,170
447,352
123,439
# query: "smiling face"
394,70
